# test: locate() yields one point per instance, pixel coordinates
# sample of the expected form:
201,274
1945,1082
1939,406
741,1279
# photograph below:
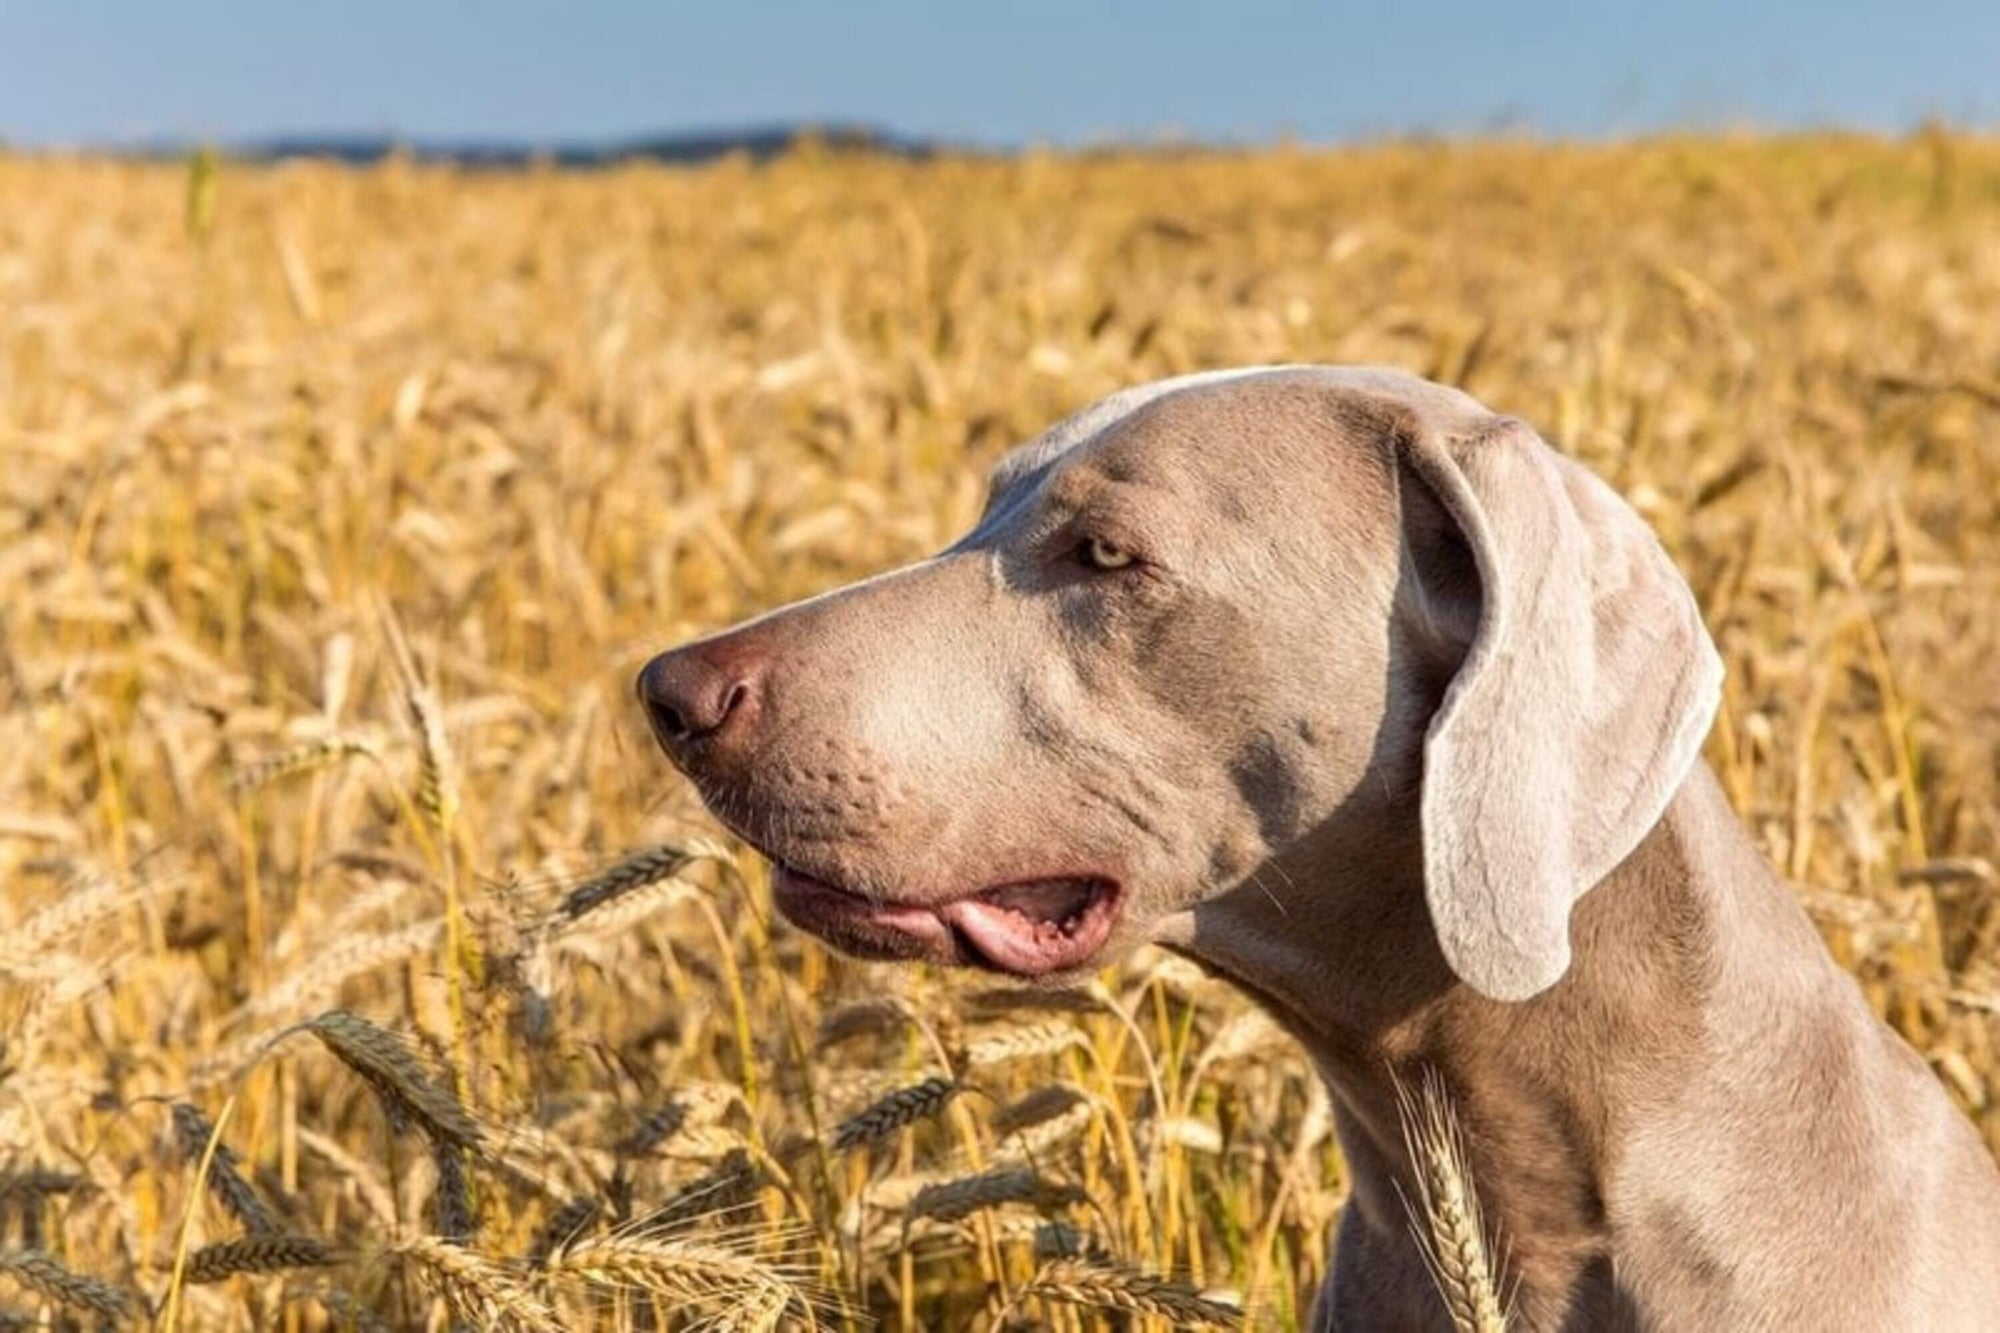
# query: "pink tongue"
1022,927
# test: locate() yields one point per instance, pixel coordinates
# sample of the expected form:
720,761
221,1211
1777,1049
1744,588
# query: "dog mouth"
1026,928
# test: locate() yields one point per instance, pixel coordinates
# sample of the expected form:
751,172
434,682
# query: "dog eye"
1101,554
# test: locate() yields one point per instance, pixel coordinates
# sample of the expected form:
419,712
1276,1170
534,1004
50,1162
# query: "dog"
1368,700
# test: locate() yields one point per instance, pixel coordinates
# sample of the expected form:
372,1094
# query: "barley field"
362,965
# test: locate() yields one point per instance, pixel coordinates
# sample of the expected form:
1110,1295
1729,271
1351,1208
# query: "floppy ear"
1577,711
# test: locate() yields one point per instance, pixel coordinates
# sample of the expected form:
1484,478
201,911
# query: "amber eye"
1101,554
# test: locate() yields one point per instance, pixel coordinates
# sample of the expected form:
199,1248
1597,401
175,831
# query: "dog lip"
821,898
1028,927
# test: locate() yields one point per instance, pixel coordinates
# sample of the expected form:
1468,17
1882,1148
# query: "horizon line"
774,137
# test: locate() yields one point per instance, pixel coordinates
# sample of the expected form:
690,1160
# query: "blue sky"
993,73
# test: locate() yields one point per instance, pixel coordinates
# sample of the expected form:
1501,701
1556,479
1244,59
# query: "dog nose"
695,696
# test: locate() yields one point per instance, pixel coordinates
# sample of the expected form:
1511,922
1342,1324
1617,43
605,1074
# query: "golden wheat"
1103,1285
412,466
1030,1042
474,1287
682,1272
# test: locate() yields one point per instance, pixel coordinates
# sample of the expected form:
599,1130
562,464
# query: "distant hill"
758,141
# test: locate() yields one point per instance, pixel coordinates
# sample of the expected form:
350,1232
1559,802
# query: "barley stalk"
1049,1102
995,1001
199,215
756,1312
653,1129
619,914
1058,1240
88,897
1025,1139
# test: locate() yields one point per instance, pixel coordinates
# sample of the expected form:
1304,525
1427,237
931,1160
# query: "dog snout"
701,698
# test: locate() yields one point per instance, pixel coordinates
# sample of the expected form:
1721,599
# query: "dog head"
1201,622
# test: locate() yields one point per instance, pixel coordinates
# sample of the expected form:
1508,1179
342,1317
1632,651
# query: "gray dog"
1373,703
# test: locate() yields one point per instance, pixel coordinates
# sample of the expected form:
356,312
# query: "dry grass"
340,508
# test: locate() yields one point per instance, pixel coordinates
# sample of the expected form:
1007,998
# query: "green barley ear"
437,784
204,167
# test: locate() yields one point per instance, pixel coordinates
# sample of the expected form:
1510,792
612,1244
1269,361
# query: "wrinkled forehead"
1233,440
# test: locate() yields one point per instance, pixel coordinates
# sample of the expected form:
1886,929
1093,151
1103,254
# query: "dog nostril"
690,698
729,702
688,706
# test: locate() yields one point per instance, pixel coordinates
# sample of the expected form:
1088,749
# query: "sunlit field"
362,963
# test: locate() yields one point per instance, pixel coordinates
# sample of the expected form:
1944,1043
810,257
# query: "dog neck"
1692,930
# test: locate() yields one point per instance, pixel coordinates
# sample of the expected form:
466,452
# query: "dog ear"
1585,687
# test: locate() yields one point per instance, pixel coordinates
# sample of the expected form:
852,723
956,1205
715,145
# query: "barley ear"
254,1254
46,1277
886,1115
1103,1284
477,1290
1445,1218
406,1090
192,1133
